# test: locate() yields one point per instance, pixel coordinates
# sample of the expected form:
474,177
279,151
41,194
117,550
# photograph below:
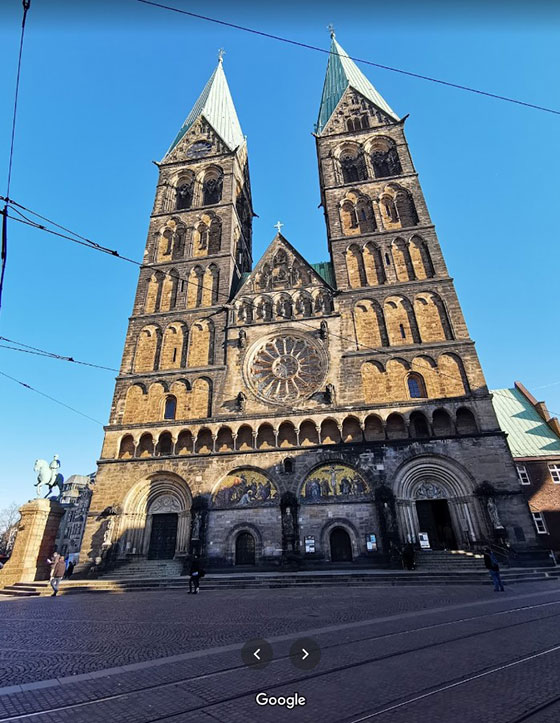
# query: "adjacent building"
328,412
76,497
533,437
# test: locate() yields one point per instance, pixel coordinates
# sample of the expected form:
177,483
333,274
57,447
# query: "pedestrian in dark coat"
195,574
494,569
69,569
408,556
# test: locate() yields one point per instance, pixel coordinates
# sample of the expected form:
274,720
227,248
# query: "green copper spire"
342,73
215,105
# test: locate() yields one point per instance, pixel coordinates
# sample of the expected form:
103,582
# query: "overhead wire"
41,352
53,399
4,230
282,39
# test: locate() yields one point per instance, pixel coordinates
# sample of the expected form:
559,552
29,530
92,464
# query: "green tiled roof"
215,104
325,271
528,434
341,73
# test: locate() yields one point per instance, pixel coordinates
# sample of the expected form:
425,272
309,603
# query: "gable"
281,268
355,112
199,141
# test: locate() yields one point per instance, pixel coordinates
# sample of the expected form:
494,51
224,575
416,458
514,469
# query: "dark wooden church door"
341,547
163,539
245,549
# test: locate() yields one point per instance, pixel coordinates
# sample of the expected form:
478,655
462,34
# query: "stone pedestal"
37,530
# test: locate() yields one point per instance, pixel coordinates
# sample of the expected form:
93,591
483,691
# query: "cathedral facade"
320,413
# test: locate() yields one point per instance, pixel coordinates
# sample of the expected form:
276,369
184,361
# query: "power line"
41,352
76,237
4,232
53,399
358,60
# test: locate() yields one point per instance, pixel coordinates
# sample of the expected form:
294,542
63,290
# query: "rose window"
286,368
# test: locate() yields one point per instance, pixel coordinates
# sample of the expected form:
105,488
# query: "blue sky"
104,89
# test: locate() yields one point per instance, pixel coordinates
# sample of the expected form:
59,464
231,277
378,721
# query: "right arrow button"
305,654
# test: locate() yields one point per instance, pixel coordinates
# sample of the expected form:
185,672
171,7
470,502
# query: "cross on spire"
278,226
221,53
330,28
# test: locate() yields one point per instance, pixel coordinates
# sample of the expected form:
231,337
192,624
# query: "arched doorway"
341,545
434,518
163,537
245,549
434,495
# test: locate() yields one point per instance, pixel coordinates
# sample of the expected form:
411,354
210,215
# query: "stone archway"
156,518
436,493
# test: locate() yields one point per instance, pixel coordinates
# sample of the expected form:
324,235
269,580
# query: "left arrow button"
256,653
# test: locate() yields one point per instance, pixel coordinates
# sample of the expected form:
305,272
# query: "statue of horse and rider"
48,474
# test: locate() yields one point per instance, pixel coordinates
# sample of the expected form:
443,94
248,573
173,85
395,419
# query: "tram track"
299,679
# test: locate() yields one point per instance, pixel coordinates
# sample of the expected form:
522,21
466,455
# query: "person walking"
196,573
494,569
58,568
408,556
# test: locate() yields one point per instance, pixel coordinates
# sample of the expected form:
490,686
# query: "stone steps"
286,580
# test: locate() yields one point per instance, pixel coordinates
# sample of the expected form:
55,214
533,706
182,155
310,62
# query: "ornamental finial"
330,28
278,226
221,53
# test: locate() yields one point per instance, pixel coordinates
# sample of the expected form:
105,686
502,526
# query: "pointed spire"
215,104
341,73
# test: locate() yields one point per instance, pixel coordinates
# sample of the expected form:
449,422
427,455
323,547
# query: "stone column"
37,531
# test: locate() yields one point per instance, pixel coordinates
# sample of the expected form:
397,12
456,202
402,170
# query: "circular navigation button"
256,653
305,654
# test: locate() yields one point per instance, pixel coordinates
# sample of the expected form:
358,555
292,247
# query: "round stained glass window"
285,368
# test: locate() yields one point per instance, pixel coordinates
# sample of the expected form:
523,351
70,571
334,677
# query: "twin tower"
323,413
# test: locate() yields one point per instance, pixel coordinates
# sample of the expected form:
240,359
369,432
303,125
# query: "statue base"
40,519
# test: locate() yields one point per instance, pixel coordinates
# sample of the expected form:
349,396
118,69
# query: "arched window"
185,190
212,187
349,217
385,159
170,410
352,165
416,386
288,466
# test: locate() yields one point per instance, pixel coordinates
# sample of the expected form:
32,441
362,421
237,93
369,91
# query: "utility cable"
357,60
53,399
41,352
4,231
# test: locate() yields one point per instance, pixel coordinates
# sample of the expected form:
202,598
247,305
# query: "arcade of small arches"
191,190
282,306
179,400
170,241
396,321
421,378
169,291
174,348
377,158
373,264
307,433
393,208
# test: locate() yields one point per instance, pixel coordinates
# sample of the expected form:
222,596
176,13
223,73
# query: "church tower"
198,247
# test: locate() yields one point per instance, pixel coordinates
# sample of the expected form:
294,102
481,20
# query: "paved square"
389,654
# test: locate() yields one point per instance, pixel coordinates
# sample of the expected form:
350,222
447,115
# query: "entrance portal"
341,547
435,519
163,539
245,549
